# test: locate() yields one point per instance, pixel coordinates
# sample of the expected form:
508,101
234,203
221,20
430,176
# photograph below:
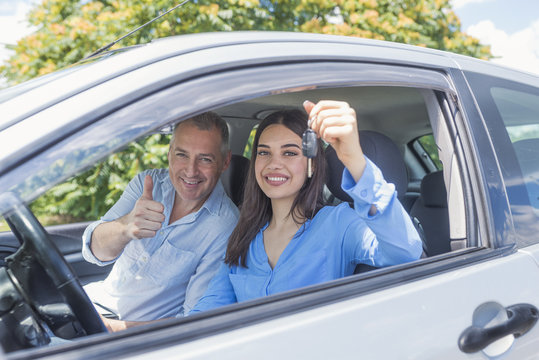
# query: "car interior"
392,122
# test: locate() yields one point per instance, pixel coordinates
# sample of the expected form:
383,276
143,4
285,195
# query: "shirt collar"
213,203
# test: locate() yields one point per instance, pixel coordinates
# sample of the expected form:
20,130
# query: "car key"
309,148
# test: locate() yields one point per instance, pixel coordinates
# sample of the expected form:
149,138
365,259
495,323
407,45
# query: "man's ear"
226,161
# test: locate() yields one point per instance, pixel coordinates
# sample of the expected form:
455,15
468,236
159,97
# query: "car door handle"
520,319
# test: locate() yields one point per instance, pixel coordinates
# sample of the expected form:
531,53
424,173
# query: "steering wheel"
45,280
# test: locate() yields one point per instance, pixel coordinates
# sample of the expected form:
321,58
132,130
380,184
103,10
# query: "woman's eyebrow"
282,146
290,145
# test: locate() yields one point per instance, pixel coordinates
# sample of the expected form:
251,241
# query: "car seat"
233,178
431,216
382,151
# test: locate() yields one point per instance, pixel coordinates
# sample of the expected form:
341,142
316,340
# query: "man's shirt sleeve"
205,271
220,292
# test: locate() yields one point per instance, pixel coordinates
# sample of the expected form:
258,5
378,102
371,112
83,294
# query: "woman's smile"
276,180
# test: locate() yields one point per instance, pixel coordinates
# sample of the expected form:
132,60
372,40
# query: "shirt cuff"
371,189
86,239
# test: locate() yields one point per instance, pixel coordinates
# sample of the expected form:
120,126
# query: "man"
168,232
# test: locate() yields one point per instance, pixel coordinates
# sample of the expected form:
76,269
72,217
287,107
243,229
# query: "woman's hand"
335,122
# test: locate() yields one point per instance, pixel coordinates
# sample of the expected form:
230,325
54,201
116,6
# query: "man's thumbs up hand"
147,216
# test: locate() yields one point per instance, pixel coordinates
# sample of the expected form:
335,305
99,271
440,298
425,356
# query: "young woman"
285,237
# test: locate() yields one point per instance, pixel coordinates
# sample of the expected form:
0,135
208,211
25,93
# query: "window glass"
520,114
89,195
249,146
430,150
3,225
511,112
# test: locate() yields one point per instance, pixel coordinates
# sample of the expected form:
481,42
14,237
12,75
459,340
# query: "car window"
520,113
247,152
425,147
511,111
3,224
89,195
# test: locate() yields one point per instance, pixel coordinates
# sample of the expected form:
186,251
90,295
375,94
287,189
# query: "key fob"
309,144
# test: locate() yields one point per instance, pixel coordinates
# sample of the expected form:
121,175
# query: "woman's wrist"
356,165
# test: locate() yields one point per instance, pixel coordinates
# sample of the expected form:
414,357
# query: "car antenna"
106,47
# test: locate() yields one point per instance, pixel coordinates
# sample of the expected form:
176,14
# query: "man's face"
195,163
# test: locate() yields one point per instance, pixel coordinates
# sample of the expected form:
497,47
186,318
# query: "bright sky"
510,27
12,23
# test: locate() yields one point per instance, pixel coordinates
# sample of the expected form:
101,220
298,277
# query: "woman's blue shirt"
325,248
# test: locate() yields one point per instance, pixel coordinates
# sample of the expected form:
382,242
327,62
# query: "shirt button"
363,193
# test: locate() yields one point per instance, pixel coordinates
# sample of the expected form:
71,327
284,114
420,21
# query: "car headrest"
382,151
233,178
433,190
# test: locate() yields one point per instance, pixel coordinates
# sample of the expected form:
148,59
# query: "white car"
473,296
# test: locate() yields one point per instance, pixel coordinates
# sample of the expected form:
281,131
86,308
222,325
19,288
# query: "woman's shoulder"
341,211
342,207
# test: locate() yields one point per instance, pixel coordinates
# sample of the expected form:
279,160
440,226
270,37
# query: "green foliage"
428,143
89,195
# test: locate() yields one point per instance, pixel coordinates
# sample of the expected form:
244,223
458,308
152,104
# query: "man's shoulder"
220,205
230,210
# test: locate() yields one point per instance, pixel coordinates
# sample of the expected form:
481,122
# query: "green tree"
69,30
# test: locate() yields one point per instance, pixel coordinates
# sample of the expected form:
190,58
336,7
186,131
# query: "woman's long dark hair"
256,209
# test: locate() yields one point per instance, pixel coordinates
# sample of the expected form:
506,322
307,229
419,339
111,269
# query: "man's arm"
114,325
110,238
205,271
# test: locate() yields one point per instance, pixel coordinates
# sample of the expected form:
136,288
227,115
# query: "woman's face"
280,167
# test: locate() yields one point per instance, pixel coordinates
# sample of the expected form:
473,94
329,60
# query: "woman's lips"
276,179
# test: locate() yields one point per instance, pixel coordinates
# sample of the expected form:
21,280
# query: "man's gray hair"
208,121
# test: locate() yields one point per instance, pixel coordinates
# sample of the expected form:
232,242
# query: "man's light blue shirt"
325,248
163,276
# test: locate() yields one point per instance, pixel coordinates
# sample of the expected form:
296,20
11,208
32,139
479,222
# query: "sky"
511,27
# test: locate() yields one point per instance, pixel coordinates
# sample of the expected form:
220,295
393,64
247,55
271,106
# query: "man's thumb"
148,188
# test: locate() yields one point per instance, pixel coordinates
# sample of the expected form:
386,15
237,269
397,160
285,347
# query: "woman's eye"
290,153
261,153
